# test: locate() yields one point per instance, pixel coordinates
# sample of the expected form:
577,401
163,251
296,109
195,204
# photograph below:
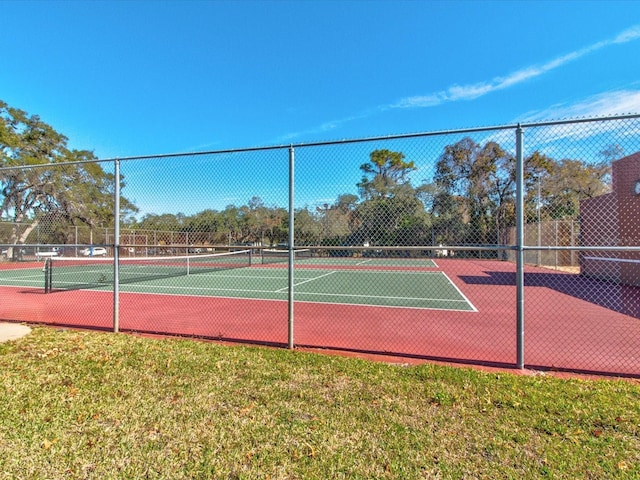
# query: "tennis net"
282,256
74,273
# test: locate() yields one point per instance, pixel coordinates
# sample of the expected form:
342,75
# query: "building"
613,220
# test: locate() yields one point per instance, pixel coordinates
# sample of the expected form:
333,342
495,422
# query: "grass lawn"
100,405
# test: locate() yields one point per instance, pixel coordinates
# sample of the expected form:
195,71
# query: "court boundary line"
360,268
32,267
279,291
225,297
143,286
460,292
464,297
305,281
381,296
23,278
339,270
124,291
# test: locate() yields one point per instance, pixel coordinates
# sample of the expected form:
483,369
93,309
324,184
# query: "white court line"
415,264
131,287
345,295
32,278
386,297
251,277
22,283
393,272
464,300
374,305
203,291
306,281
25,269
301,273
363,262
460,292
371,305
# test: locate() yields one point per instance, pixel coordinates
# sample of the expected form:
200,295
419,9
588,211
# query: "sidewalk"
12,331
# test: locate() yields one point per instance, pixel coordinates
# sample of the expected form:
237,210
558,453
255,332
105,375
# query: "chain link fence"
506,246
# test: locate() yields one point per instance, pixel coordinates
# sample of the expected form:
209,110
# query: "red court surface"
572,323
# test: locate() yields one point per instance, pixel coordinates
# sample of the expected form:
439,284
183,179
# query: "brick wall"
613,220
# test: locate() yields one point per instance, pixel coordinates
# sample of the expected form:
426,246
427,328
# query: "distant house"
613,220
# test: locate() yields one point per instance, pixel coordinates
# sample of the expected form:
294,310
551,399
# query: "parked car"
18,253
47,253
94,252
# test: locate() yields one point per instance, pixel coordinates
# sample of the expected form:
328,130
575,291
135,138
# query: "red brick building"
613,220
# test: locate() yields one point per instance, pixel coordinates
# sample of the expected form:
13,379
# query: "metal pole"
573,244
291,244
539,219
556,242
519,248
116,249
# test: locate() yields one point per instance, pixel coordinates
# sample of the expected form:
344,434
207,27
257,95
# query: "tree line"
469,200
78,193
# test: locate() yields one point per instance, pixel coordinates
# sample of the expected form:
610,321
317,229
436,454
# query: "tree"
391,212
570,181
473,192
498,176
612,152
256,216
76,193
309,230
451,186
204,227
383,174
231,223
276,225
537,169
166,221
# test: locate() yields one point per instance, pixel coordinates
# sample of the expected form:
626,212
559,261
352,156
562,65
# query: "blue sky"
125,78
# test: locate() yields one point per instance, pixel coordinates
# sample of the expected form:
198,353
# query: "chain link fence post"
116,247
519,248
290,275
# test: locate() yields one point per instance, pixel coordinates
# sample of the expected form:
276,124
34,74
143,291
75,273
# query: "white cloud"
469,92
628,35
600,105
566,140
605,104
325,127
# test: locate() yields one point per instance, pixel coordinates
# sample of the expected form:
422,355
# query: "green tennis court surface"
366,262
23,277
375,287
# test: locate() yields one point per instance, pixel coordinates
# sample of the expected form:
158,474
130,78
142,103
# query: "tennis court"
458,310
381,282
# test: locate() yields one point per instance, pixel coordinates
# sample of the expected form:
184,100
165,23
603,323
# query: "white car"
53,253
5,251
94,252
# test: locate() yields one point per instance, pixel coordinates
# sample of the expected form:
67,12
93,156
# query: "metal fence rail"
514,245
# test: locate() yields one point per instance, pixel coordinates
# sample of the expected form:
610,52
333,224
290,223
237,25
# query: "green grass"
97,405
